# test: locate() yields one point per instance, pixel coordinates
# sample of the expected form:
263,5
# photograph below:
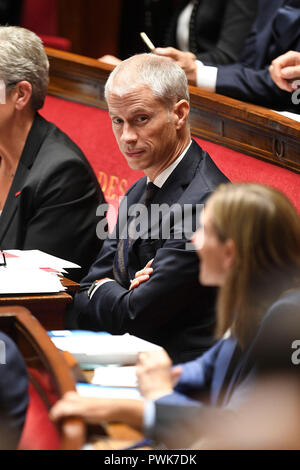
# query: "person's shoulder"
207,175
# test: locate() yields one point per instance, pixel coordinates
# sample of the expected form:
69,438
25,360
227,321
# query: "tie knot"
151,190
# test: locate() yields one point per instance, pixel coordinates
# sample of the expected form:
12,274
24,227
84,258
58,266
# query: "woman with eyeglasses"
248,245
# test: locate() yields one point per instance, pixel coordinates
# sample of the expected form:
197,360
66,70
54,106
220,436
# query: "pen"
147,41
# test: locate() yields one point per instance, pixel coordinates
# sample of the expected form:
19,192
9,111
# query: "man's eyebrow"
139,110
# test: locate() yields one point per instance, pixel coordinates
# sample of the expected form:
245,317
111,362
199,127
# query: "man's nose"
128,134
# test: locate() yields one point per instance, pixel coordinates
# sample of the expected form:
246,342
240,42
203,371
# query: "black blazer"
171,309
275,31
13,394
53,199
218,29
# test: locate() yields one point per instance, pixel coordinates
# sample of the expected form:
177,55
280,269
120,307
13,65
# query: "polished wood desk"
49,309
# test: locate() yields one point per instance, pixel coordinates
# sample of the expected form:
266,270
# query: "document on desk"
30,281
115,376
32,272
102,349
97,391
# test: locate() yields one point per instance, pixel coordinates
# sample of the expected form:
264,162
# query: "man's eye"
142,118
117,121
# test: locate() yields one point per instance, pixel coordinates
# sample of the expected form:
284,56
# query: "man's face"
144,128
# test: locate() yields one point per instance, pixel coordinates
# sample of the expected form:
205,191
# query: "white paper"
31,281
96,391
114,376
106,349
32,272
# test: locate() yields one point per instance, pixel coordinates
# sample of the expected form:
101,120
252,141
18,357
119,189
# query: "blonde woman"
249,246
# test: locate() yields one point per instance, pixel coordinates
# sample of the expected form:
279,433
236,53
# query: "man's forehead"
121,89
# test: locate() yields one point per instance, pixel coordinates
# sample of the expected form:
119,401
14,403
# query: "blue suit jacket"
275,31
221,377
171,309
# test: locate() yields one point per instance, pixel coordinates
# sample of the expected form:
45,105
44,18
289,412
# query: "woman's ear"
181,111
229,254
23,93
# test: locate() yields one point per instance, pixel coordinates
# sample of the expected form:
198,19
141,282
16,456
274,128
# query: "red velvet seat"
90,128
38,423
50,377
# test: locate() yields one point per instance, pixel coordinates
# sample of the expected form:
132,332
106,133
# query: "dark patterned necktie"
124,245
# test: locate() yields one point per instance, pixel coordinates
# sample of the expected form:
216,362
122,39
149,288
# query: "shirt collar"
164,175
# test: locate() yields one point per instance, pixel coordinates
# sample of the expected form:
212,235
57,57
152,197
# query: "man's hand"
155,375
142,276
109,59
285,70
99,410
186,60
91,410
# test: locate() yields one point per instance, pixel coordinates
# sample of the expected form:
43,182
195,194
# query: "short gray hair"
22,57
162,75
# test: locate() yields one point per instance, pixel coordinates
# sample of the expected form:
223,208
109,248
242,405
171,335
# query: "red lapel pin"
18,194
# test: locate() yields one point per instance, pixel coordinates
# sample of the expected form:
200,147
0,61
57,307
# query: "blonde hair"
265,229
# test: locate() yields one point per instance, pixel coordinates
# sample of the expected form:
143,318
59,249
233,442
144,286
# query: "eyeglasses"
3,262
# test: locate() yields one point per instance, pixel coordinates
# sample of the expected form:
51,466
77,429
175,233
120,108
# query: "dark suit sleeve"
118,310
145,309
254,86
13,394
63,221
238,18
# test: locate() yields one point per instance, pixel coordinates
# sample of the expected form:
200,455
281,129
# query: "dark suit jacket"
218,29
53,199
13,394
222,376
275,31
171,309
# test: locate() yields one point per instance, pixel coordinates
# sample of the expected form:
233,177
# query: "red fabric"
90,128
239,167
56,42
41,17
39,432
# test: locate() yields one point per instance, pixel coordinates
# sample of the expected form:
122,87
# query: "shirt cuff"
149,417
99,284
206,77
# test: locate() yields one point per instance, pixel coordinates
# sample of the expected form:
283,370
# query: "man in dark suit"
49,193
148,103
275,30
214,31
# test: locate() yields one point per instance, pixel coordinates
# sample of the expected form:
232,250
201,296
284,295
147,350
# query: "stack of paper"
94,348
87,390
32,272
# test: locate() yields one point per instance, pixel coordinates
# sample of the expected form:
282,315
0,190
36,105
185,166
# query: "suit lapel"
33,143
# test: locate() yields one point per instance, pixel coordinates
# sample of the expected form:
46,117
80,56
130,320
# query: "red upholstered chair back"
50,378
90,128
39,432
41,17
